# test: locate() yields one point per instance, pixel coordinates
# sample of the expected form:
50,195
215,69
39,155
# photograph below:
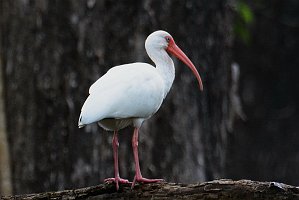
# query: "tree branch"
218,189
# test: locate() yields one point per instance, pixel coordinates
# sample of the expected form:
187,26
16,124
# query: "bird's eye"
167,38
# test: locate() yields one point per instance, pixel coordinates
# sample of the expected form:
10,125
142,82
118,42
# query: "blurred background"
244,125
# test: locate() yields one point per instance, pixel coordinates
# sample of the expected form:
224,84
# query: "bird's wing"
131,90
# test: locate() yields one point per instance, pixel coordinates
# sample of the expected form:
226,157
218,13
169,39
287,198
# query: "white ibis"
131,93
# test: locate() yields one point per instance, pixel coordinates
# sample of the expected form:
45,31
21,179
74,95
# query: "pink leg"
138,177
117,178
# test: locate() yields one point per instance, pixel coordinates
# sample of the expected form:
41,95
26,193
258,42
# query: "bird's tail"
80,123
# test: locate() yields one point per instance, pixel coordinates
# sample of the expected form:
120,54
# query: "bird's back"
125,92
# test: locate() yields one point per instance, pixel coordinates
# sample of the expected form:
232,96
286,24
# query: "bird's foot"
144,180
117,180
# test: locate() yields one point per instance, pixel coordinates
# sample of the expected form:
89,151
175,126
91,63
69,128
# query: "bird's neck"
165,67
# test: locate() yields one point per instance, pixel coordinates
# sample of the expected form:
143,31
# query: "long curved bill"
177,52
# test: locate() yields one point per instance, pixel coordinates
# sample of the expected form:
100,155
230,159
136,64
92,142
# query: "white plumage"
131,93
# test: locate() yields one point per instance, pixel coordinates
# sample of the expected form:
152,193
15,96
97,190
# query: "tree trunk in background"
265,147
5,170
54,50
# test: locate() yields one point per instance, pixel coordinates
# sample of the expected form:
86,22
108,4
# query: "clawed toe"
145,180
117,181
120,180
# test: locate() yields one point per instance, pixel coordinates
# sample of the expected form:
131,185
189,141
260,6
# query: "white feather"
127,91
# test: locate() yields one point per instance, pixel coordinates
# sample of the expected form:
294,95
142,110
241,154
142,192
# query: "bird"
129,94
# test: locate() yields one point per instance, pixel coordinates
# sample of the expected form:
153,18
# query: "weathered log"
218,189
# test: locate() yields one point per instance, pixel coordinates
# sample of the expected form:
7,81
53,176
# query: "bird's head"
163,40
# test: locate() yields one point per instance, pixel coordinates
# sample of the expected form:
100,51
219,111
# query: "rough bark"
218,189
5,170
